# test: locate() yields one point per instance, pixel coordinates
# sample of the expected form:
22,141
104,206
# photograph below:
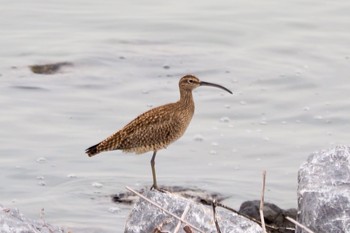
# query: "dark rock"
145,217
195,194
49,68
273,215
324,191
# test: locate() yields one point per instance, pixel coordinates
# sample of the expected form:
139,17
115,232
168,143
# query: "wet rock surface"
195,194
145,217
324,191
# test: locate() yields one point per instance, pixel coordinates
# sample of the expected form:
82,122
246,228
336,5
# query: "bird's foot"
155,187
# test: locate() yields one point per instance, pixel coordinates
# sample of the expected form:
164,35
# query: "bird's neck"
186,97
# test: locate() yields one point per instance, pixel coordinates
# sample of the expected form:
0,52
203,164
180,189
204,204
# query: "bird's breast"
184,117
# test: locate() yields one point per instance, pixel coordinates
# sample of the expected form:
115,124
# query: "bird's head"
190,82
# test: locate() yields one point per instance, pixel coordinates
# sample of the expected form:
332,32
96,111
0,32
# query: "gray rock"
324,191
145,217
12,221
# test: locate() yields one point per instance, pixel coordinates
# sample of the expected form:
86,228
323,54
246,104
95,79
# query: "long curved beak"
214,85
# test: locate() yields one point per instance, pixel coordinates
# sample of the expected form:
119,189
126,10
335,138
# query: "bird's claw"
155,187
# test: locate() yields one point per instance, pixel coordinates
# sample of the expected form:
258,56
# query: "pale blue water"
288,64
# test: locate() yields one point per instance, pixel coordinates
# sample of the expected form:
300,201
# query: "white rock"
12,221
324,191
145,217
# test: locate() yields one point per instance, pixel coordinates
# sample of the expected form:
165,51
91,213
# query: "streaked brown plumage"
156,128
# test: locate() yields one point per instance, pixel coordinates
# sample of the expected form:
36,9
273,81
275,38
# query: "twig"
261,210
158,229
213,204
299,224
42,216
166,211
182,217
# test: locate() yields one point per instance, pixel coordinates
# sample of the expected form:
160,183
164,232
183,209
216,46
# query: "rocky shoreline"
323,206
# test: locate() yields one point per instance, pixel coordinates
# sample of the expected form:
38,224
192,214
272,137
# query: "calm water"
288,64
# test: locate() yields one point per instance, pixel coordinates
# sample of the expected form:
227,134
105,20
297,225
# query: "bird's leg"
153,163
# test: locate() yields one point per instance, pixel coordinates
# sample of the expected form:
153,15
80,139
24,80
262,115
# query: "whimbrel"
157,128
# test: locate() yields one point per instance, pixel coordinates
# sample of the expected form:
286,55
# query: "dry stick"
299,224
213,204
166,211
182,218
42,216
261,210
159,227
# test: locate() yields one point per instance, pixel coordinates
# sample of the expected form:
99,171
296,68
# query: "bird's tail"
93,150
110,143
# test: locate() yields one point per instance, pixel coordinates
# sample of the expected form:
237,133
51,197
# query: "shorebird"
156,128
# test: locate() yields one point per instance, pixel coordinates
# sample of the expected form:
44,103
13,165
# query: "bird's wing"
152,130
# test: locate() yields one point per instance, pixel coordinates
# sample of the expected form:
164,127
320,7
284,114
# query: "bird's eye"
190,81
